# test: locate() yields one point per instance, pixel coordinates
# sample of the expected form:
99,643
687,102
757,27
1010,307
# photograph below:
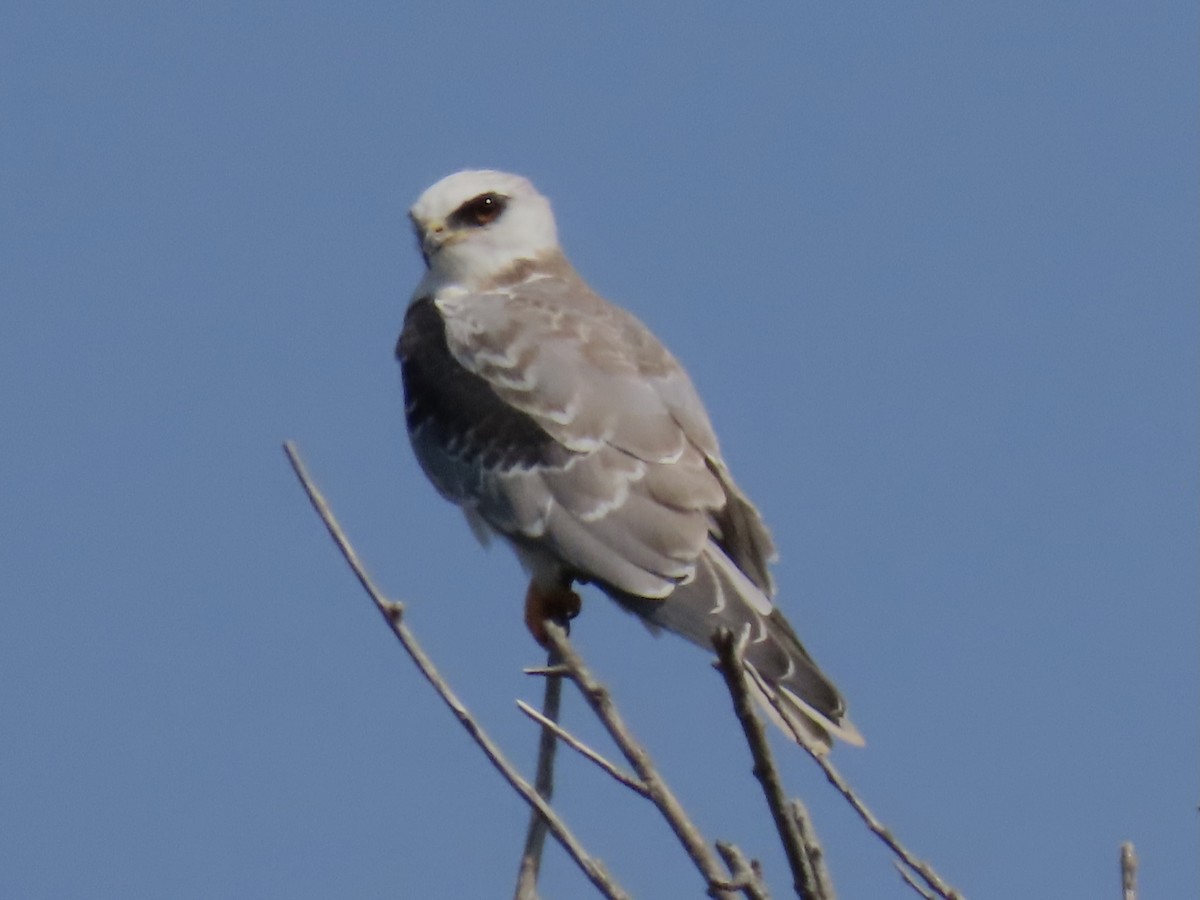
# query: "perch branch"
911,880
660,795
393,613
813,848
745,872
1129,866
733,669
583,749
535,837
926,871
546,670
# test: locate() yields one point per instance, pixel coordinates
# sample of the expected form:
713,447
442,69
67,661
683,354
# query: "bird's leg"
556,603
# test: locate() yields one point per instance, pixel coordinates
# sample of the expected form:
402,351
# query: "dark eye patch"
479,211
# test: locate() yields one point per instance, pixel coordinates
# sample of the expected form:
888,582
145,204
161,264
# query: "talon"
556,604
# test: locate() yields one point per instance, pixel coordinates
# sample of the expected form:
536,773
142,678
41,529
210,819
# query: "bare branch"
392,613
1129,867
660,795
812,848
546,670
926,871
911,880
732,668
535,837
583,749
745,872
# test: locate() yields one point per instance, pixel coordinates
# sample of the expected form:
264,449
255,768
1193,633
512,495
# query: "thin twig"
535,836
583,749
812,848
926,871
661,796
392,613
546,670
1129,867
745,872
911,880
732,668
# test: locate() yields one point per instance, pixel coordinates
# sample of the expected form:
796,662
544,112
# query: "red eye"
483,210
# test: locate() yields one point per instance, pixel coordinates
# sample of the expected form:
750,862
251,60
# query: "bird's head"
473,225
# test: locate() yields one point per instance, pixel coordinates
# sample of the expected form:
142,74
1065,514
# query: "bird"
560,424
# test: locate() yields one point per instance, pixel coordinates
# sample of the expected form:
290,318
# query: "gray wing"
551,415
560,421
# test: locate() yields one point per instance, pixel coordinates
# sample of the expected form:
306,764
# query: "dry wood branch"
923,869
392,613
597,697
745,872
1129,866
912,881
583,749
732,668
926,871
546,670
535,837
812,848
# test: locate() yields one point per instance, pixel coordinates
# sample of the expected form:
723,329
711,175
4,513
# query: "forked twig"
812,847
745,878
393,613
733,670
913,882
746,873
716,878
583,749
535,836
923,869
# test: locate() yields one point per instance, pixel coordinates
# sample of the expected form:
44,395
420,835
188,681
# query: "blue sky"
932,266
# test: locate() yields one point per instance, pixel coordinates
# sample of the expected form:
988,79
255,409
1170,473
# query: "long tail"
808,707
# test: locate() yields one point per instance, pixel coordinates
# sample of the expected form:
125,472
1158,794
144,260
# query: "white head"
473,225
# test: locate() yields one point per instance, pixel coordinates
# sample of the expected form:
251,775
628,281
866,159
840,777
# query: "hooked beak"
431,236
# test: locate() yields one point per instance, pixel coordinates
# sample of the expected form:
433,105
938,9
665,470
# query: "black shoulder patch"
459,409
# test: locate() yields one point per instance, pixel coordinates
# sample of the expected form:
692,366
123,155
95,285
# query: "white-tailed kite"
559,422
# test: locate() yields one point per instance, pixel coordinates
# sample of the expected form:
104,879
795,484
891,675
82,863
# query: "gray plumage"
558,421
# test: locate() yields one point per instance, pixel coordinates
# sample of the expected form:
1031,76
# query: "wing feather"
560,422
538,407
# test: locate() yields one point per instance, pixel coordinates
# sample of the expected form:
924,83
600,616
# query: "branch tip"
392,613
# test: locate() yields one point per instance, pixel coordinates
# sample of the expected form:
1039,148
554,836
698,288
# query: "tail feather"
786,682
